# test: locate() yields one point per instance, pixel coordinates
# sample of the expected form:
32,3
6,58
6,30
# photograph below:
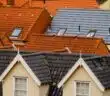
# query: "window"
20,87
82,88
61,31
16,32
91,33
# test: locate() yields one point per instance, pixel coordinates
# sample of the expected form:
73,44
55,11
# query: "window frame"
14,78
61,34
12,36
82,82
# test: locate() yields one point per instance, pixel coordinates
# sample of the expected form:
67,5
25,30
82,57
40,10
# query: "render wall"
105,5
18,70
80,75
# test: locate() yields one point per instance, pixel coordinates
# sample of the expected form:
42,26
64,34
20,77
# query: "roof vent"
109,30
91,33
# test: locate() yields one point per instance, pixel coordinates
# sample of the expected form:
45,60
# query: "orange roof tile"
11,18
53,5
75,44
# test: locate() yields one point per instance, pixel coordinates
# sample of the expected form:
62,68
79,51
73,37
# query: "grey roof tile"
85,18
101,68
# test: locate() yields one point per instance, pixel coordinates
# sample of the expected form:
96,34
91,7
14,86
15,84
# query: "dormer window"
91,33
16,32
61,31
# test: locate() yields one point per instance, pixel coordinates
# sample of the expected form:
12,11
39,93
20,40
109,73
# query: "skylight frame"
16,32
61,33
89,34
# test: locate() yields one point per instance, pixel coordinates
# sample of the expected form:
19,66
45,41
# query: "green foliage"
101,1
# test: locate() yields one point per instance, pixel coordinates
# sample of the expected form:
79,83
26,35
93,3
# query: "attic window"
16,32
61,31
91,33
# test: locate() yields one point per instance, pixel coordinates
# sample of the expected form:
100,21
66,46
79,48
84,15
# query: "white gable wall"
19,70
80,75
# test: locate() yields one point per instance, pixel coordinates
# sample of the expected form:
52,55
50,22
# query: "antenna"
109,30
79,28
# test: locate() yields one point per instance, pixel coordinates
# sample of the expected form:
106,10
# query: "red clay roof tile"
75,44
53,5
11,18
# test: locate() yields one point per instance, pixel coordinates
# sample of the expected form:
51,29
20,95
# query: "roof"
46,66
61,43
6,57
11,18
53,5
81,21
50,68
101,68
39,66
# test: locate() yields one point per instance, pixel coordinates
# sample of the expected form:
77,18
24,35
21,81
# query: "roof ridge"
92,9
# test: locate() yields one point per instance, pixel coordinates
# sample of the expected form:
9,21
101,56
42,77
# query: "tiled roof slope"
53,5
6,57
51,67
101,68
86,19
26,18
59,43
39,66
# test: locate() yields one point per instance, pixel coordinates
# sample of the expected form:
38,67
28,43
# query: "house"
16,24
71,44
88,77
82,22
36,71
56,74
68,44
105,5
51,5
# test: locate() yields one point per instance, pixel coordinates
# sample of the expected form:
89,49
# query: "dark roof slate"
6,57
87,19
39,66
51,67
100,66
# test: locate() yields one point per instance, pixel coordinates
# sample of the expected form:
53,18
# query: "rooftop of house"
82,22
46,43
53,5
50,68
17,22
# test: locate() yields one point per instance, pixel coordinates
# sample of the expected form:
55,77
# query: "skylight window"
16,32
91,33
61,31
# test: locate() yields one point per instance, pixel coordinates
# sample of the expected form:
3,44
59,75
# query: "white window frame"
14,84
61,31
74,92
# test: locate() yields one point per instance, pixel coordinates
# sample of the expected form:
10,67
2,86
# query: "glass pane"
20,93
16,32
82,89
20,83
